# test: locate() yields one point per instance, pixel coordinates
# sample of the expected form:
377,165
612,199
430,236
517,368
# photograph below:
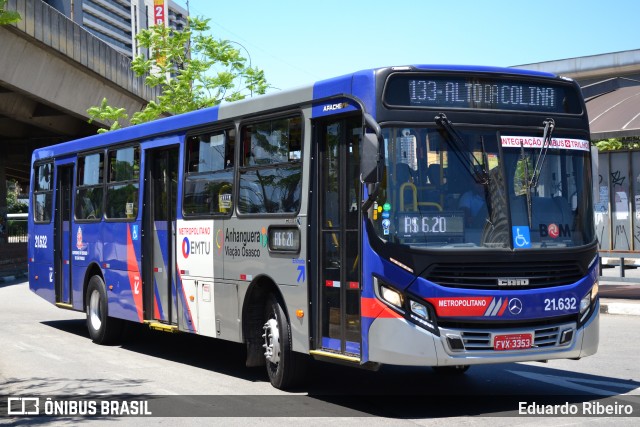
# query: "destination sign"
474,92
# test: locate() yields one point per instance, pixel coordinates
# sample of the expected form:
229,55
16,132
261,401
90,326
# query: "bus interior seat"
403,173
433,173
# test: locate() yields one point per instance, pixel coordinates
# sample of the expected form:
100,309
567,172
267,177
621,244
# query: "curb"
13,277
620,307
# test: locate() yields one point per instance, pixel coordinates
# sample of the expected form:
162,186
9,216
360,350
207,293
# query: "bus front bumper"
399,342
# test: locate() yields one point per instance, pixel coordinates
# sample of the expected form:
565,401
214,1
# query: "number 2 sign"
158,14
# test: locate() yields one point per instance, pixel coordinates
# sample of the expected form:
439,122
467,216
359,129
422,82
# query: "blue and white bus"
434,216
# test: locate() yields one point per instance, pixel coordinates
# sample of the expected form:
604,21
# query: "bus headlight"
391,296
585,303
589,298
594,291
419,310
421,315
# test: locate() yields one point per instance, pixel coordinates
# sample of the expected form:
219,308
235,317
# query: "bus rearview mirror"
369,159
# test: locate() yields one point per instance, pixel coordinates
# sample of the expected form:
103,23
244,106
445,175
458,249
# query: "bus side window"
271,172
209,173
123,183
43,193
89,187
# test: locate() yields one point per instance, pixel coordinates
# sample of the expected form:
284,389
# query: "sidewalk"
617,298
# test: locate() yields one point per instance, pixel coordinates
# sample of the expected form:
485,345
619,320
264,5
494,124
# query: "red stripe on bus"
372,307
134,276
186,303
504,306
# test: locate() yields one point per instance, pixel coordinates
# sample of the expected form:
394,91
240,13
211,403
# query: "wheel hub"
94,310
271,341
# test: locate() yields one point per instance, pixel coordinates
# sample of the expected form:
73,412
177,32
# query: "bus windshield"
479,192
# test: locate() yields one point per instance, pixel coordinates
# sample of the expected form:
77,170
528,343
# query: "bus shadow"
215,355
73,326
409,392
393,392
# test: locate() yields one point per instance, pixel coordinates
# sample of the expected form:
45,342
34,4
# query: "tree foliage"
8,16
15,205
193,69
613,144
107,114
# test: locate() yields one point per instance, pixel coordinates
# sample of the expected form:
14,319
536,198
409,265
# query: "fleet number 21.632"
40,241
554,304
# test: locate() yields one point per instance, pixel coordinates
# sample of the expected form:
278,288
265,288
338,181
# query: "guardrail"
16,228
13,246
622,260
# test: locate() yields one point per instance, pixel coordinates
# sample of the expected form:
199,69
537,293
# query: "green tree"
613,144
8,16
13,204
193,69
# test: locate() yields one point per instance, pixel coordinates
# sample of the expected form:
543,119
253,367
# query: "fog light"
566,336
455,342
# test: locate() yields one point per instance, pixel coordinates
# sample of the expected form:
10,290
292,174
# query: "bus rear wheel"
285,367
102,328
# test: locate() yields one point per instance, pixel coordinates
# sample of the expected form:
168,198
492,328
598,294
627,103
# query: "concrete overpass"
51,72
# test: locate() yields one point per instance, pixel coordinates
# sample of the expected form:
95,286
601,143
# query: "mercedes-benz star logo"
515,306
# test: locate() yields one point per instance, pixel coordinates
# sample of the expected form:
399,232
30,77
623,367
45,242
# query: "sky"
298,42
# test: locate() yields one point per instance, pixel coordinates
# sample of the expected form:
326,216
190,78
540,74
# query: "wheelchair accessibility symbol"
521,236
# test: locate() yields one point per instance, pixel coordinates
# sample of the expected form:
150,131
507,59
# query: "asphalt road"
45,351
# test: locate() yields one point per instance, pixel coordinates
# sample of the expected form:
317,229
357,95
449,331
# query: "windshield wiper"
475,168
549,125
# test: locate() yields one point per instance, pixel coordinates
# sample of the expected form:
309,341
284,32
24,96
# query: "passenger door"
338,208
161,187
62,234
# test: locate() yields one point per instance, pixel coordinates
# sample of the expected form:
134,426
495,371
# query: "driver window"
209,173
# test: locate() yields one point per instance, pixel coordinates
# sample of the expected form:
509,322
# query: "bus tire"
102,328
285,367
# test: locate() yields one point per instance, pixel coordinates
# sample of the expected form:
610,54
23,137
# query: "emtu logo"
186,247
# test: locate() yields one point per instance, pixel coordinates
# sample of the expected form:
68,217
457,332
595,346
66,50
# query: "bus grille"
485,275
474,341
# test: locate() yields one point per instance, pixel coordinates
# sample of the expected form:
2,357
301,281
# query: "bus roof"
345,84
485,69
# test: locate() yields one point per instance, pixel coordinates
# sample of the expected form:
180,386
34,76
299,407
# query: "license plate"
511,342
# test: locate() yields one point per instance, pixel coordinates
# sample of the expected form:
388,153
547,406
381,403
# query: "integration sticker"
536,142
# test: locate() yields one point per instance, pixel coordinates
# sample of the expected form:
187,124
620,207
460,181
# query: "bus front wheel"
285,367
102,328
